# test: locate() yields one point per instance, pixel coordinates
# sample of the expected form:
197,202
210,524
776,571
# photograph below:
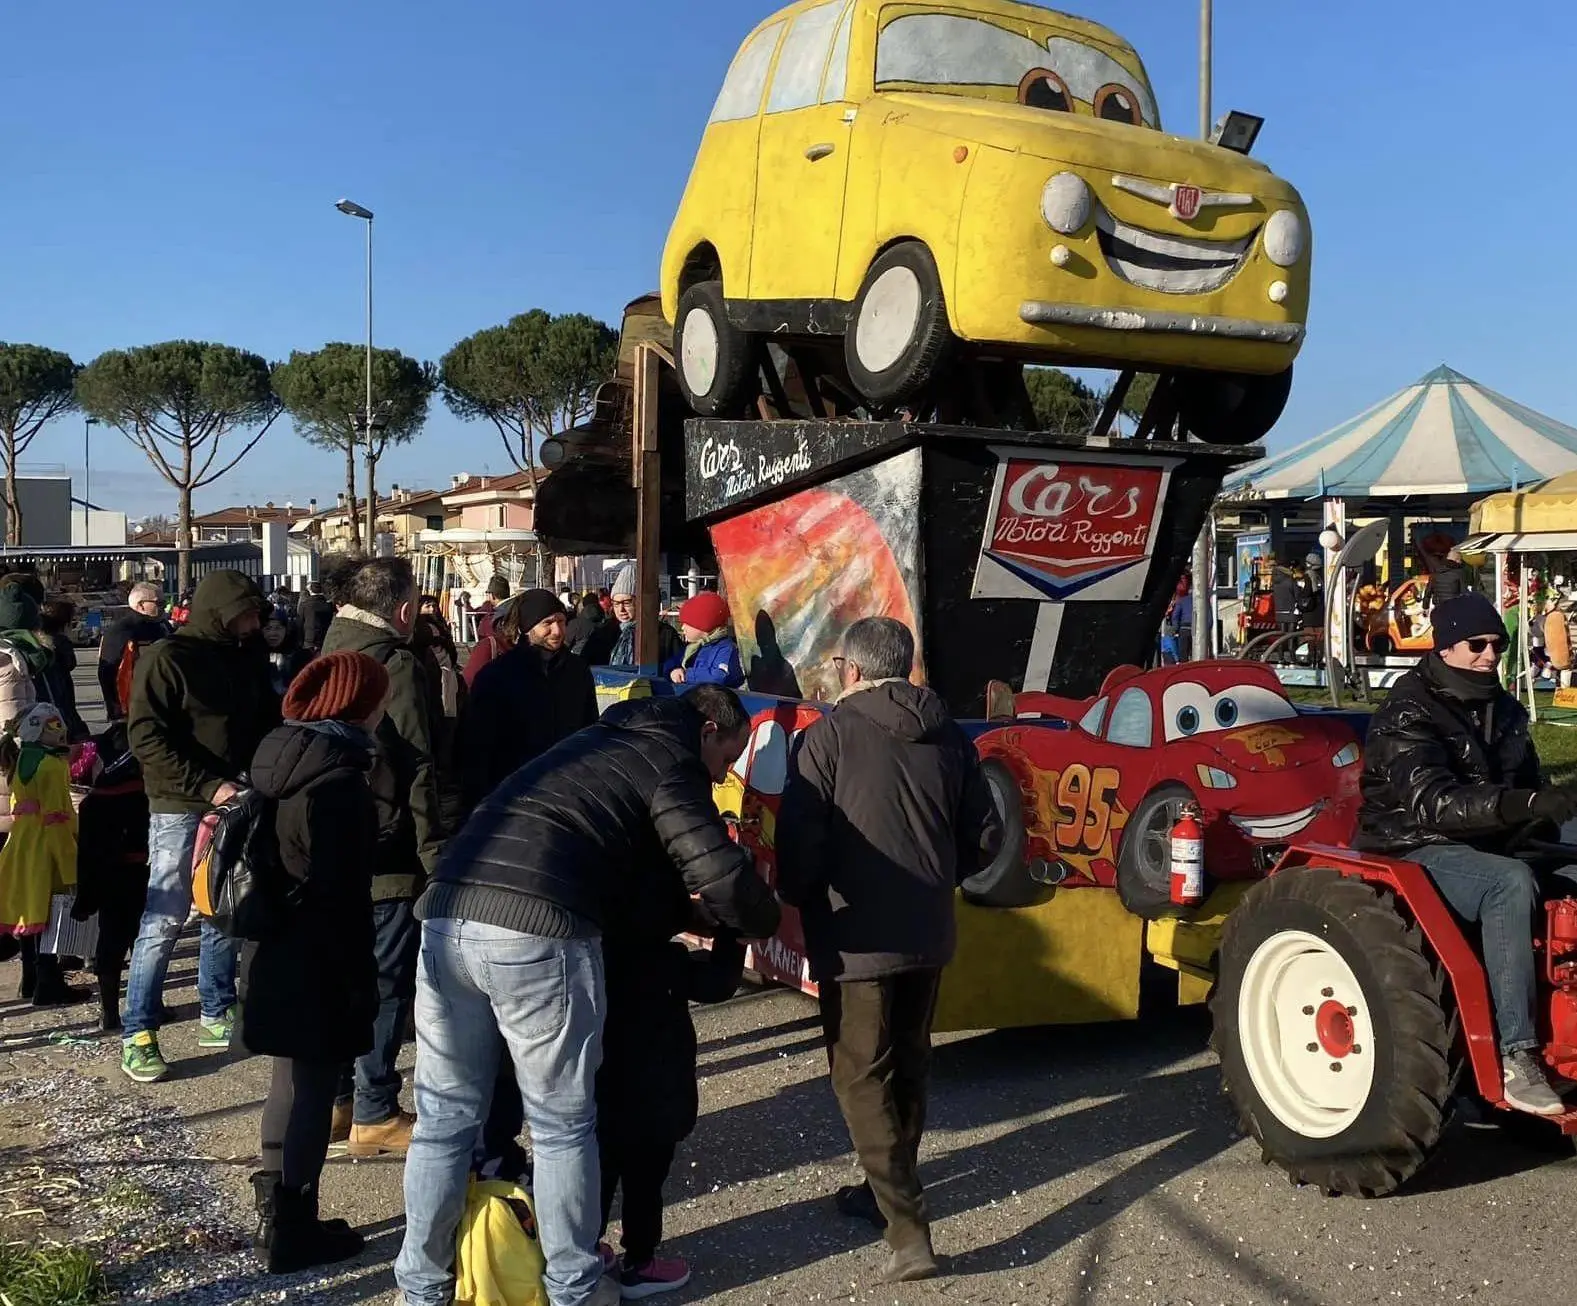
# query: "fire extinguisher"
1188,857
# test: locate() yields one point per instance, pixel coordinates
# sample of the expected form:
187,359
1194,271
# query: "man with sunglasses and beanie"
1449,775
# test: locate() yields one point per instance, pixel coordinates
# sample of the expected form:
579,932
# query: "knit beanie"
534,606
623,583
337,687
706,611
1464,617
18,610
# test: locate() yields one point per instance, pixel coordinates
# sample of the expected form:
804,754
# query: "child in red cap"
711,653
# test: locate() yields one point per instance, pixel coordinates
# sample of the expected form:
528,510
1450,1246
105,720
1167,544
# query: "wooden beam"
646,465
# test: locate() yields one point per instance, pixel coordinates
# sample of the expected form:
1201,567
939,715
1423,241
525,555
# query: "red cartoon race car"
1091,788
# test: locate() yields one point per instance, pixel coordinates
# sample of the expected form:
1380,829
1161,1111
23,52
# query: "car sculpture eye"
1043,89
1189,708
1118,104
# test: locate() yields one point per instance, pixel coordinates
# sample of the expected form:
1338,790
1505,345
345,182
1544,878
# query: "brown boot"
391,1137
344,1118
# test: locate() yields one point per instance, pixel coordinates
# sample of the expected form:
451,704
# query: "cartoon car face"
870,163
1222,734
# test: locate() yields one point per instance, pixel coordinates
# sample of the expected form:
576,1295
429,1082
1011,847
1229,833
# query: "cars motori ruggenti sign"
1076,528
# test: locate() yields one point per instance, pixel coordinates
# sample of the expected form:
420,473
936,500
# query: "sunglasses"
1482,642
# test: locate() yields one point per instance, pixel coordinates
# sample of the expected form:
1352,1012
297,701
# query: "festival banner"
1070,529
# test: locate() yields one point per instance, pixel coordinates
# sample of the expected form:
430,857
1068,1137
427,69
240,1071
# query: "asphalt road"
1087,1164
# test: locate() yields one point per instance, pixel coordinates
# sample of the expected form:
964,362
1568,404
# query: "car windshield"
1189,708
959,54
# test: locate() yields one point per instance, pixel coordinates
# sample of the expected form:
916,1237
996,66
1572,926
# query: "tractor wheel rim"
889,319
1306,1035
699,351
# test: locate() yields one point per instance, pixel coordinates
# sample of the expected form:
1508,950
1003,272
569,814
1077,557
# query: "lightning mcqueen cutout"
1091,788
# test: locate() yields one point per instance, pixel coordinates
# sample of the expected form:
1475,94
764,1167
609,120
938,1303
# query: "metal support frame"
646,468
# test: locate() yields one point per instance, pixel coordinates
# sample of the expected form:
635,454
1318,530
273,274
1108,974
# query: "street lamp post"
1204,597
88,423
353,210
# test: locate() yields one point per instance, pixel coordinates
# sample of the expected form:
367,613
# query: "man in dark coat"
525,701
315,615
1449,774
142,626
885,813
589,618
200,703
1448,581
376,615
620,814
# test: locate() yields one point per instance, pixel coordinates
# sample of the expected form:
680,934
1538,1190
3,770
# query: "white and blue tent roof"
1444,434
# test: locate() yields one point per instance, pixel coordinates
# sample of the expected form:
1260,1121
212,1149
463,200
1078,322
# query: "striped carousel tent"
1442,435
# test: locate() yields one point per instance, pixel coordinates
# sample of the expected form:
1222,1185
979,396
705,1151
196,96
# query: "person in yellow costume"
39,859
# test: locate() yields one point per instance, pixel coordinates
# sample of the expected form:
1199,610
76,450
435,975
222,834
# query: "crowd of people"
476,854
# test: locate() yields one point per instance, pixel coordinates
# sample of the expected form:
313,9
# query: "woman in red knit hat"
309,994
711,653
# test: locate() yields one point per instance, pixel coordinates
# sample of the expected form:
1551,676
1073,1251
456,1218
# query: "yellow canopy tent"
1540,519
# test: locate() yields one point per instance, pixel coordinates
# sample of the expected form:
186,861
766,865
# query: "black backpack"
238,880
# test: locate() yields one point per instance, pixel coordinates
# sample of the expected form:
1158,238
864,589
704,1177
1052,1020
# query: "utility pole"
353,210
1204,593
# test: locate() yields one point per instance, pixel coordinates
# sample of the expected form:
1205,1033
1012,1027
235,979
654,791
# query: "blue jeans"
545,996
170,839
374,1080
1500,895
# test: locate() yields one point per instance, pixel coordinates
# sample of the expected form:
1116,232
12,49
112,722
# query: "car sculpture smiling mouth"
912,178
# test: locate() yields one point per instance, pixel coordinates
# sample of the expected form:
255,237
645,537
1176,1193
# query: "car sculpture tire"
1006,882
1231,408
711,355
897,336
1144,851
1331,1024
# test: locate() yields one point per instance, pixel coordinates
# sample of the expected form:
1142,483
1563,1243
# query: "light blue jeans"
545,996
170,839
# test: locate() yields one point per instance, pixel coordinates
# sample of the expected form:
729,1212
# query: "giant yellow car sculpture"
912,176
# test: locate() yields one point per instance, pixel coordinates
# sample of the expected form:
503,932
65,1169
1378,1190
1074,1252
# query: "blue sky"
170,171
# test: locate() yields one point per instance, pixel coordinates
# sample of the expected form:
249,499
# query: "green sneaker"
140,1058
216,1033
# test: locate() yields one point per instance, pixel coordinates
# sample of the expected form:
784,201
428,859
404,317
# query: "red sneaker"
660,1274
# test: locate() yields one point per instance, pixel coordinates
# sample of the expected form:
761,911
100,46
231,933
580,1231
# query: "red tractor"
1351,1011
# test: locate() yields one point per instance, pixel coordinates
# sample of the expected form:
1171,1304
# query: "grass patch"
124,1193
34,1274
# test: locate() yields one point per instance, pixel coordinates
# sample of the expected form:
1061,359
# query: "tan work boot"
344,1118
391,1137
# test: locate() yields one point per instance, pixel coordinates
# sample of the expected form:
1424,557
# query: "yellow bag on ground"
498,1260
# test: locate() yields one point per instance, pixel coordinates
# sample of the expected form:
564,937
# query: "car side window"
835,87
1092,720
798,77
747,77
769,759
1132,720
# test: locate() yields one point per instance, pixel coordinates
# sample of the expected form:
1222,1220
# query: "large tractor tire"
898,336
1229,407
714,358
1331,1022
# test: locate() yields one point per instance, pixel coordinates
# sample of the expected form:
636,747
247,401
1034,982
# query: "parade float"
895,208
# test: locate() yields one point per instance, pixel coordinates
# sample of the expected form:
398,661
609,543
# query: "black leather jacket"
1436,767
612,829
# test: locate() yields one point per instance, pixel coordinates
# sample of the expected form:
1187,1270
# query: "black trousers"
640,1168
297,1117
878,1035
39,968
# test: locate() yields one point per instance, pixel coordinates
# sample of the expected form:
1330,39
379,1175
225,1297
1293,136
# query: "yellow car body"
979,128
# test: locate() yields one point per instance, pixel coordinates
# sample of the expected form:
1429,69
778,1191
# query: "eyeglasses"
1482,642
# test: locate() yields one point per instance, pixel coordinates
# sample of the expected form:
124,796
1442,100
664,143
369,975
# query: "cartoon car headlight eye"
1066,203
1213,777
1284,238
1226,712
1043,89
1347,756
1118,104
1187,720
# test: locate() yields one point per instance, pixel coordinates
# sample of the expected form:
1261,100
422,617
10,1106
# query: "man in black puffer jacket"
886,812
618,817
1449,775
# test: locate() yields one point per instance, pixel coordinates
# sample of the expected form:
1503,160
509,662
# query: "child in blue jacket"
711,653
